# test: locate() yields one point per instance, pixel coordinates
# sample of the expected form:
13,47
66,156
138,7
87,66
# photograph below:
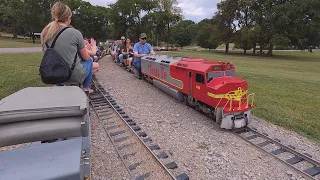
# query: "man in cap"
140,49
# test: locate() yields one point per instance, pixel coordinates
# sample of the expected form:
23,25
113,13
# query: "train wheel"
212,116
218,115
185,100
198,108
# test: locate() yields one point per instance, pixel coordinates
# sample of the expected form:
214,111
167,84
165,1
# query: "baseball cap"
143,35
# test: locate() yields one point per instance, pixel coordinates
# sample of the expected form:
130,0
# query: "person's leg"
117,58
129,61
88,66
125,57
120,59
95,67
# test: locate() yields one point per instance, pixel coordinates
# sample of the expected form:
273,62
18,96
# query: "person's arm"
81,47
89,50
122,51
151,50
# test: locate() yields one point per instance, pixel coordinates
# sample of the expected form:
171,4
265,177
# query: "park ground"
286,86
6,41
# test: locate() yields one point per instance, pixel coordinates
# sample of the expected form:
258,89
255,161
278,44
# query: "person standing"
140,49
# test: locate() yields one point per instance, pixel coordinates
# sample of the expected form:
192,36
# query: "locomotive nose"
226,85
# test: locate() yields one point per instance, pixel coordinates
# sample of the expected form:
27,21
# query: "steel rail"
282,148
129,127
114,145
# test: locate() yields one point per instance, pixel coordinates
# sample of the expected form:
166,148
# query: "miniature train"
53,126
210,87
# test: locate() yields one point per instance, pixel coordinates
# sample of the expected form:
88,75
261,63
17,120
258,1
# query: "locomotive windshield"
231,73
212,75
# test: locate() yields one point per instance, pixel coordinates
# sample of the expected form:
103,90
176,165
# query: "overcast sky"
195,10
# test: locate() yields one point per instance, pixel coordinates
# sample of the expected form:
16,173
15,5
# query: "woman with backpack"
66,49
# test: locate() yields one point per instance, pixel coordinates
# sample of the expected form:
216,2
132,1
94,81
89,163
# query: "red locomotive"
209,86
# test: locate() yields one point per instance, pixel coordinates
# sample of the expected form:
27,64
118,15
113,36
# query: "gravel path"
105,163
20,50
200,148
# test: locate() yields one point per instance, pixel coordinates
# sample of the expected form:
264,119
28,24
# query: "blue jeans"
118,58
137,64
88,66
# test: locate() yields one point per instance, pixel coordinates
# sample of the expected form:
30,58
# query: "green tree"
184,32
224,20
208,34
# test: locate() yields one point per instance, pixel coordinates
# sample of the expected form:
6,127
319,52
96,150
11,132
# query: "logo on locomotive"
157,73
160,71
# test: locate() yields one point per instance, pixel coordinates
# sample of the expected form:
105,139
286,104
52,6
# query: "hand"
93,42
88,46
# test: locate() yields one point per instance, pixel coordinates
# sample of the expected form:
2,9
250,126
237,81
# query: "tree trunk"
270,50
245,47
168,38
33,39
246,23
229,35
227,47
254,48
261,47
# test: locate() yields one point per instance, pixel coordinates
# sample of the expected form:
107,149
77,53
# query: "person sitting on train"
95,65
140,49
119,51
114,50
70,45
101,49
125,53
129,60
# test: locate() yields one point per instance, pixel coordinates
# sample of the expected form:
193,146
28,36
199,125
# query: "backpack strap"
74,62
54,42
55,39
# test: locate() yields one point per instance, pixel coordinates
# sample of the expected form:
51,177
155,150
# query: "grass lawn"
286,86
19,70
17,43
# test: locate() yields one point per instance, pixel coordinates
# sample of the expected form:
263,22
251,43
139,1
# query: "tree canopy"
248,24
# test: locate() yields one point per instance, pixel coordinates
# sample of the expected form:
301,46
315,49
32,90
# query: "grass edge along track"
106,97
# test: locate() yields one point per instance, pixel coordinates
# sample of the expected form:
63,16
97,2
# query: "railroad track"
301,162
142,158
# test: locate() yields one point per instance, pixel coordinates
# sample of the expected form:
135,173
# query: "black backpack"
53,68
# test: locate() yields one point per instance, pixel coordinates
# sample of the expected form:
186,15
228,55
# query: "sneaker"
88,90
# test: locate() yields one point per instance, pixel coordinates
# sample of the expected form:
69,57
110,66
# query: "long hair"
59,13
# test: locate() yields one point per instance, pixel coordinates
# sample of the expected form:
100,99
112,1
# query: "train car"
51,125
210,87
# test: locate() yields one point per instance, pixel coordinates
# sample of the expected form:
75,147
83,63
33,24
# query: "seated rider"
91,51
69,45
141,49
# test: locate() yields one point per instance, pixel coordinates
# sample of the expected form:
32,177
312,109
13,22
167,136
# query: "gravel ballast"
200,148
105,163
